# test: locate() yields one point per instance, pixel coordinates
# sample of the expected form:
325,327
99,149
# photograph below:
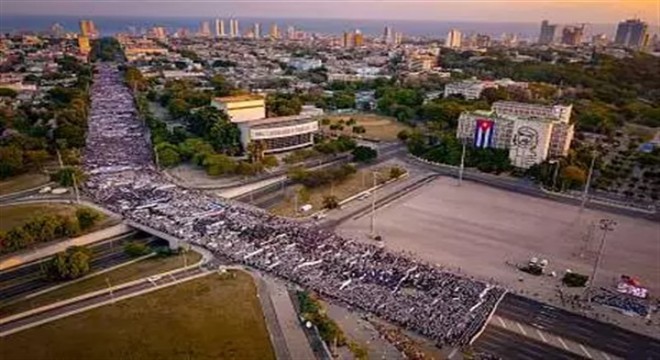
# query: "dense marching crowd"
424,298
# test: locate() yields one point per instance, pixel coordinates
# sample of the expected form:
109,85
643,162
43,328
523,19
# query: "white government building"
278,133
532,133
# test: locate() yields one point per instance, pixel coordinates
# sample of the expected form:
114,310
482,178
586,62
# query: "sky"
559,11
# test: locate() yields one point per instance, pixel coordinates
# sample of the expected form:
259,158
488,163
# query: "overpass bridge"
174,242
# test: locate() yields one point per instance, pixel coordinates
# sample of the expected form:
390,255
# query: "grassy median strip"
22,182
214,317
138,270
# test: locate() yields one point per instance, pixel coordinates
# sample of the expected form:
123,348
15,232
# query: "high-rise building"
453,39
205,28
57,30
358,38
83,45
256,30
274,31
547,35
219,28
599,40
482,41
88,29
158,32
347,40
234,30
388,36
572,35
291,32
398,38
632,33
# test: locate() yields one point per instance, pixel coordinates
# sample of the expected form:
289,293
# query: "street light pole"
588,184
460,171
373,208
554,176
75,187
606,225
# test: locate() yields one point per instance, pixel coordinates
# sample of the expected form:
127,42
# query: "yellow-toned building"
277,133
83,45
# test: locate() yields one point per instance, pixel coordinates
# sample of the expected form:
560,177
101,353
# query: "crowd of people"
421,297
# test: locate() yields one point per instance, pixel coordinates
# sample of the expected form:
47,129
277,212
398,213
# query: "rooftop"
280,121
238,98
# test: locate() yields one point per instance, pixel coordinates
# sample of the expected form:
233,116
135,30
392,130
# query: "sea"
110,25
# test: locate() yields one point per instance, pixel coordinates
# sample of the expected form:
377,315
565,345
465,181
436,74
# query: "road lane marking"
521,329
605,355
585,351
453,352
562,342
541,336
502,322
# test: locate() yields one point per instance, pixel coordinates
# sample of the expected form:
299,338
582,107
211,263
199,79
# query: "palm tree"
256,149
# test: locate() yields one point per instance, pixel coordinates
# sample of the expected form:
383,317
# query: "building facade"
219,28
278,133
88,29
547,35
531,133
572,35
453,39
632,33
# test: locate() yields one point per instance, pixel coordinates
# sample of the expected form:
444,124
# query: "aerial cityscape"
318,180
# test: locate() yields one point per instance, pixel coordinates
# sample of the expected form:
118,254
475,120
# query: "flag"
483,136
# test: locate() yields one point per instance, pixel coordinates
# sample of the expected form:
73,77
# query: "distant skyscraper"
219,28
632,33
388,36
234,30
482,41
88,29
205,28
158,32
256,30
347,40
291,32
358,38
274,31
83,44
398,38
547,35
57,30
572,35
453,39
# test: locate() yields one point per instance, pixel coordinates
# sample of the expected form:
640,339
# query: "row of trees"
321,177
44,228
34,133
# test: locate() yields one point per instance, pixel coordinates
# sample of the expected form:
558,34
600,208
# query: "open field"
358,182
22,182
215,317
377,127
14,215
135,271
478,229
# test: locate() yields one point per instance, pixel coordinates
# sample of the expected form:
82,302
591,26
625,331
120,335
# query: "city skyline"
597,11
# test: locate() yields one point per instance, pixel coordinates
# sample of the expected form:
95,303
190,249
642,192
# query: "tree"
221,87
70,264
135,249
7,92
280,104
218,164
573,176
87,217
37,158
359,129
256,149
134,78
65,176
403,135
269,161
11,161
493,94
168,154
364,154
396,172
330,202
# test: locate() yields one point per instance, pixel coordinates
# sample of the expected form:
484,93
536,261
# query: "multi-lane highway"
574,328
29,278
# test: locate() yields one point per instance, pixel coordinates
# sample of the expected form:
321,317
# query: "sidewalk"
28,256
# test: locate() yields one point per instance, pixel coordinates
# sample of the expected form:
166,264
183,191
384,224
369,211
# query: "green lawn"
14,215
22,182
138,270
215,317
376,126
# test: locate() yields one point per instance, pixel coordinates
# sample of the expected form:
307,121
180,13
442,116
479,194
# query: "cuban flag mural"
483,136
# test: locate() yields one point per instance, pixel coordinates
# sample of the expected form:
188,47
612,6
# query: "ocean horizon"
110,25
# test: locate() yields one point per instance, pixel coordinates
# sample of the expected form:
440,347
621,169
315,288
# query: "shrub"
135,249
87,217
574,279
70,264
396,172
330,202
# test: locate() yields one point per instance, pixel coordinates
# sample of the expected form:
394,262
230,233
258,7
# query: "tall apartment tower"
547,35
388,36
256,30
205,28
219,28
572,35
291,32
632,33
88,29
233,28
453,39
274,31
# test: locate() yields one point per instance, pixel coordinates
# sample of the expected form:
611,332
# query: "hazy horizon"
492,11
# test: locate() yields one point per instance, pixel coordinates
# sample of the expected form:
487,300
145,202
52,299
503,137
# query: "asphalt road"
96,300
20,281
513,346
599,335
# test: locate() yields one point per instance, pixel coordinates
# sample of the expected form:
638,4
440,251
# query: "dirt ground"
376,126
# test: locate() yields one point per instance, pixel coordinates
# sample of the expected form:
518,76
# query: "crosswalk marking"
561,341
502,322
521,329
605,355
585,351
541,336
